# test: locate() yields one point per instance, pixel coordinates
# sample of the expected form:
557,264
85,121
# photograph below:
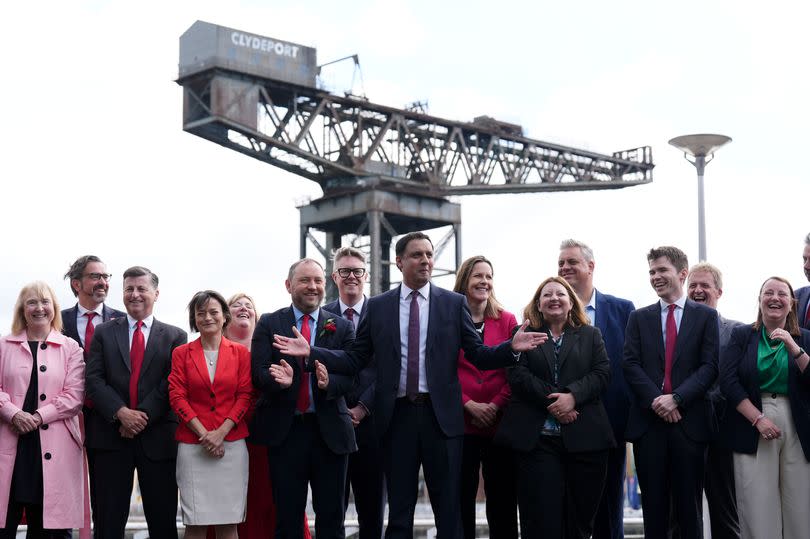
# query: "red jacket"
491,385
191,393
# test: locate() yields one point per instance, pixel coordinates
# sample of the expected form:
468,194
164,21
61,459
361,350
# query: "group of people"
359,394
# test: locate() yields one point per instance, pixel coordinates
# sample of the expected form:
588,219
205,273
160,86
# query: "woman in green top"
764,376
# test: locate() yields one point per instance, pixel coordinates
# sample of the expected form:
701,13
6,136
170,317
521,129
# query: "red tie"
135,360
669,352
302,404
88,332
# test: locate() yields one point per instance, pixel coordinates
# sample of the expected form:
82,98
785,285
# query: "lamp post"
701,148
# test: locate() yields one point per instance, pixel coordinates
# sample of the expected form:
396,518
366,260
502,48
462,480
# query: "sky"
94,158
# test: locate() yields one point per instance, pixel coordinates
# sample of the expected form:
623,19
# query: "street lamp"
701,148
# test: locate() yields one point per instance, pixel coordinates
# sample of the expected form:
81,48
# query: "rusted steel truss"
346,143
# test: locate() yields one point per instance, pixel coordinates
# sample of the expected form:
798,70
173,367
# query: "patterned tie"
669,352
412,380
136,361
302,404
89,331
349,314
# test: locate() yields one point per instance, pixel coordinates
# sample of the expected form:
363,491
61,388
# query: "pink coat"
62,383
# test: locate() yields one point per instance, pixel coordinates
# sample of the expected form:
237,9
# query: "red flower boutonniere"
328,327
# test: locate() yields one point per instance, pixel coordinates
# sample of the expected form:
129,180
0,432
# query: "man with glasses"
365,473
89,282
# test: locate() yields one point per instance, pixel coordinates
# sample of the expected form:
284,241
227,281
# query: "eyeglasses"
345,272
98,276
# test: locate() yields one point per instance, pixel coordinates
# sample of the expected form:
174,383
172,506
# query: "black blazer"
276,407
694,367
69,320
107,378
739,380
584,372
450,328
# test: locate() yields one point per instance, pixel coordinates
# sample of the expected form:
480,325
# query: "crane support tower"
384,171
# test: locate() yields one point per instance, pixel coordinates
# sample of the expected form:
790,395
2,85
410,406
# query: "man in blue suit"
414,333
670,363
365,474
803,294
609,314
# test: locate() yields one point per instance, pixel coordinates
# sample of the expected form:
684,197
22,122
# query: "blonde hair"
41,290
576,316
494,308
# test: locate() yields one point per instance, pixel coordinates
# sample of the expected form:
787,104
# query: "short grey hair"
348,251
298,263
587,252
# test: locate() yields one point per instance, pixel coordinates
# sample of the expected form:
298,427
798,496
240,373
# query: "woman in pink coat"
41,393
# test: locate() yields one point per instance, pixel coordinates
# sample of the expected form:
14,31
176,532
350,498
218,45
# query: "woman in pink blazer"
41,395
485,394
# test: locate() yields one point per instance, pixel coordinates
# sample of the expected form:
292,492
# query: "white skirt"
212,490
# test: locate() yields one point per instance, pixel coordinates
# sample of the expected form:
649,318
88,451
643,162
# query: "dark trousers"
609,521
33,518
559,491
497,463
720,492
113,475
415,438
670,468
366,479
304,458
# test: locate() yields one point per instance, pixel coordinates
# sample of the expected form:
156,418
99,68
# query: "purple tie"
412,385
349,314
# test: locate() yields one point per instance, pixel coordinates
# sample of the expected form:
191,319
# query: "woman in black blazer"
556,421
764,376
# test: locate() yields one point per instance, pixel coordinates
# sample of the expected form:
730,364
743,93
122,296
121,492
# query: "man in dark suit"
305,425
414,333
803,293
365,474
90,283
705,285
670,362
132,426
609,314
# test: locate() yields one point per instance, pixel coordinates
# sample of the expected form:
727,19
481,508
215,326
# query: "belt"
417,398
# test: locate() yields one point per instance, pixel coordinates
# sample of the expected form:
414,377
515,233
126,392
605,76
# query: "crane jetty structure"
384,171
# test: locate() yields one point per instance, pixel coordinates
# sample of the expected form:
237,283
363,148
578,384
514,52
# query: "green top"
772,364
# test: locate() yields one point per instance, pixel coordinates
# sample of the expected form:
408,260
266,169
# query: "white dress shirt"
145,329
81,320
679,304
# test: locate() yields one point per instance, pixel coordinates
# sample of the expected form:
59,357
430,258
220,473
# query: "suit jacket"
612,314
694,367
362,390
192,394
802,297
107,375
450,328
584,372
276,407
490,385
69,320
739,380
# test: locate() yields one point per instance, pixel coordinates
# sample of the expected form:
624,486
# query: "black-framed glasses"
98,276
345,272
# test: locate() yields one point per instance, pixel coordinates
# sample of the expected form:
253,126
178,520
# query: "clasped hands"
482,414
282,373
23,422
213,442
666,408
563,408
132,422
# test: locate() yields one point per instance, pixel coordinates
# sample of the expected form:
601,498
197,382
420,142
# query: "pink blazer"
61,379
491,385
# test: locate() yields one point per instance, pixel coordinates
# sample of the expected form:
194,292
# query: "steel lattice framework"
348,143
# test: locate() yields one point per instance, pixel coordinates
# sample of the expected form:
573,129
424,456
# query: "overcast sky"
94,158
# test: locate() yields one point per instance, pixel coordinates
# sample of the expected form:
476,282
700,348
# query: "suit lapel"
601,312
70,322
393,314
321,336
122,337
198,358
152,345
548,352
433,314
570,339
687,324
654,327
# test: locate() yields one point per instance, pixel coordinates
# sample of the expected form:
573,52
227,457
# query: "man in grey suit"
705,285
132,426
803,294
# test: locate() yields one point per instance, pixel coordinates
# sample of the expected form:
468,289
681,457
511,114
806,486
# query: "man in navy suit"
365,474
304,423
609,314
803,294
670,363
414,333
705,285
90,283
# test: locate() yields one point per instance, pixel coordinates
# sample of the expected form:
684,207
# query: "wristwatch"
800,354
677,398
